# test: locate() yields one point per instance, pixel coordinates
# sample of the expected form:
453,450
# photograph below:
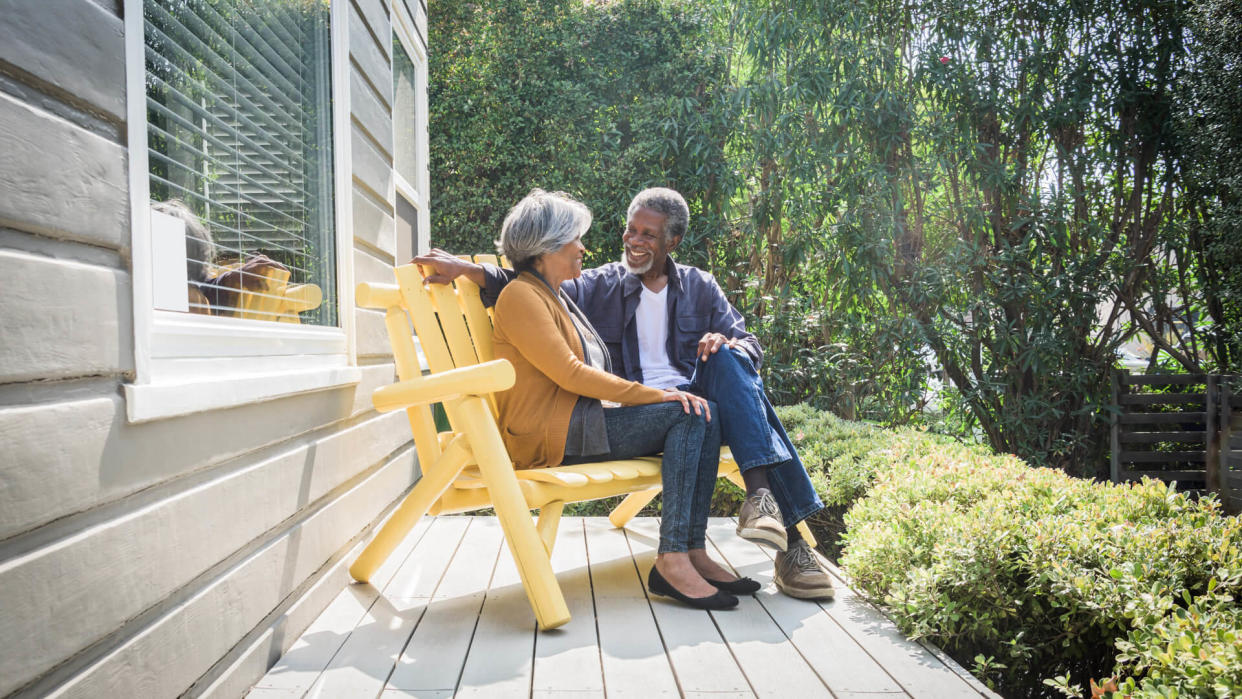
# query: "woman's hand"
687,400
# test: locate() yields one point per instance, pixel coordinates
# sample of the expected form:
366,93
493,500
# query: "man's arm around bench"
489,278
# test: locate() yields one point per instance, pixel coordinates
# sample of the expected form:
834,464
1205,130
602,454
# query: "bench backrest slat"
453,325
422,422
477,319
419,305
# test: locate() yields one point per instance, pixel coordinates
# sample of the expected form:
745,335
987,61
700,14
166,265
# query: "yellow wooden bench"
279,300
468,468
275,298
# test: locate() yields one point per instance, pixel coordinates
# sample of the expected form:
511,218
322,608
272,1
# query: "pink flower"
944,60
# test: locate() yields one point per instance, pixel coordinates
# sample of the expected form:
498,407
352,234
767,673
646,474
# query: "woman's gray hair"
666,202
200,249
541,223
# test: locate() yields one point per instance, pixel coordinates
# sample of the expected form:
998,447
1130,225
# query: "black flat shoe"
721,600
741,586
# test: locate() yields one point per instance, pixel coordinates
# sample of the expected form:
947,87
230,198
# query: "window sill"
153,401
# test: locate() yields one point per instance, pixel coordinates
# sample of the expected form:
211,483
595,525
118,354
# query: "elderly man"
665,325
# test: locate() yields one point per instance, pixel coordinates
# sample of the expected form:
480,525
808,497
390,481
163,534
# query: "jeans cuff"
671,547
812,508
769,459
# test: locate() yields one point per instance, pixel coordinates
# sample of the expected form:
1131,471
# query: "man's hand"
448,267
711,343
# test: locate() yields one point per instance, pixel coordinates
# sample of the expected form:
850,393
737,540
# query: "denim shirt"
609,294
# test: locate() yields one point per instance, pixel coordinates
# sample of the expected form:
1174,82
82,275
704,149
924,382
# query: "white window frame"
186,363
416,193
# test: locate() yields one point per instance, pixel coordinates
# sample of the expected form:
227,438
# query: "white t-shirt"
652,320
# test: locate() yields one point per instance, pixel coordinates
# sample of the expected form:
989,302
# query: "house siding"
180,555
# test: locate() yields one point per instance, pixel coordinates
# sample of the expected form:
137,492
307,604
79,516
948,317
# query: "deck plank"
362,666
451,596
631,650
916,669
306,659
839,662
567,659
425,567
501,657
701,659
433,659
773,665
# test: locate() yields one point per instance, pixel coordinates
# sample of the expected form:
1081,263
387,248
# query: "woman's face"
565,263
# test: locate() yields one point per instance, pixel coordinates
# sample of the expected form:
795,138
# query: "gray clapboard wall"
180,555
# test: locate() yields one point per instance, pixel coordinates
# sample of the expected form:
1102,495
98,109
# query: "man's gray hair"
667,202
541,223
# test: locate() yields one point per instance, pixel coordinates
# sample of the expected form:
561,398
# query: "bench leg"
629,507
549,519
533,564
735,477
436,479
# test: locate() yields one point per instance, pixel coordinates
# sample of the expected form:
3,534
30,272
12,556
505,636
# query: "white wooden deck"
446,617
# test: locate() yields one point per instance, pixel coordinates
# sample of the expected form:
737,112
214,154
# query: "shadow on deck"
446,616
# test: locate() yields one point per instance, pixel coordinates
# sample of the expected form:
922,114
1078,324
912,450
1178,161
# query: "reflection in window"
240,130
405,111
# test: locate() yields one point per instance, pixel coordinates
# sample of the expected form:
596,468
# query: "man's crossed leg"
779,494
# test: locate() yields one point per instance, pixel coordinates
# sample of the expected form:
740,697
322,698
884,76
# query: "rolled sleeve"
495,279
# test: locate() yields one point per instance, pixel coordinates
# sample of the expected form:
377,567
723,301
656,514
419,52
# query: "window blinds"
239,118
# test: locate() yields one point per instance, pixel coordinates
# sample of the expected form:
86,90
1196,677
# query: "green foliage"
943,213
1210,122
596,99
963,182
1032,573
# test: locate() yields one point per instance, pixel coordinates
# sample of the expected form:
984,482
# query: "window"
240,292
239,127
409,109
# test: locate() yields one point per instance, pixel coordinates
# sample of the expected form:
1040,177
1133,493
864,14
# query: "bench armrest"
478,379
375,295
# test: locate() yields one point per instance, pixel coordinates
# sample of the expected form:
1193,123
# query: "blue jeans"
754,434
691,448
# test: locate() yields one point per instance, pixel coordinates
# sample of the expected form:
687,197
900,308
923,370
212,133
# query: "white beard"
641,269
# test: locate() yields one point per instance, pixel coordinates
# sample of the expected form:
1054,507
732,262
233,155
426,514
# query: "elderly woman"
566,406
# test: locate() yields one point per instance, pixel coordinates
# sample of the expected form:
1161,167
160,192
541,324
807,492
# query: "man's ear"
676,242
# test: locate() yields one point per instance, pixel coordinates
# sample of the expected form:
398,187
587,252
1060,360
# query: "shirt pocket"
690,328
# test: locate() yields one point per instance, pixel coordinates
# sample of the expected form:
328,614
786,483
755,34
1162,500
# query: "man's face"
645,245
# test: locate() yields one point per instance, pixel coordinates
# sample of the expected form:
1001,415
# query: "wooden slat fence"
1179,428
1231,445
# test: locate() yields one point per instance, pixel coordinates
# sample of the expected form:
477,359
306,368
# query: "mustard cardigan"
534,332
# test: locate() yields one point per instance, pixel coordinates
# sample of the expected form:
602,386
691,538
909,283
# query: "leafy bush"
1033,577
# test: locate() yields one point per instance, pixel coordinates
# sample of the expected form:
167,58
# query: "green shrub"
1029,574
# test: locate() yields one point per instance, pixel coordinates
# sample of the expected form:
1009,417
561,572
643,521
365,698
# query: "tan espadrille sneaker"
801,573
760,520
